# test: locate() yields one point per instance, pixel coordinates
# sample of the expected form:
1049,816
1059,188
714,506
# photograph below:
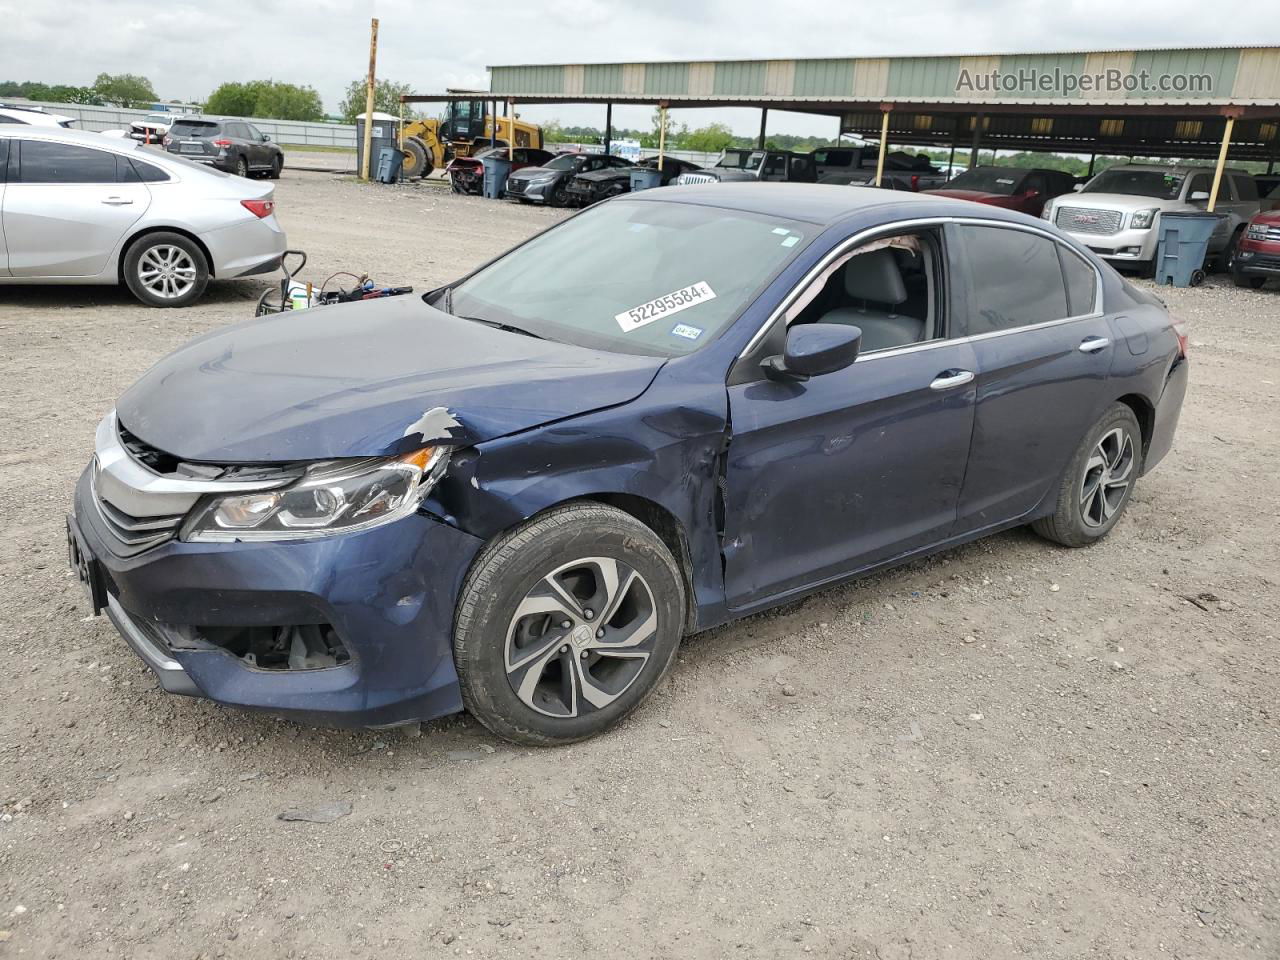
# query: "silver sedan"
77,207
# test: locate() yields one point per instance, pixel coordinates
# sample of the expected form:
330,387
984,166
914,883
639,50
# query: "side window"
147,172
44,161
1034,182
775,166
1246,189
1200,183
4,159
1014,279
1082,282
888,288
254,132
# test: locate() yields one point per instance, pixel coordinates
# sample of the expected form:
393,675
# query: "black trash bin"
386,133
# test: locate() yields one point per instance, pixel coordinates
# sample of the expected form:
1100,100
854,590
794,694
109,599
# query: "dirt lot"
1008,750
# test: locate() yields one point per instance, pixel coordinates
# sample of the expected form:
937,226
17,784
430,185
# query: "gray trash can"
496,171
643,178
385,133
1184,245
390,161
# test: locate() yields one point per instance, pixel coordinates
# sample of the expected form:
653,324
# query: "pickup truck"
740,165
906,172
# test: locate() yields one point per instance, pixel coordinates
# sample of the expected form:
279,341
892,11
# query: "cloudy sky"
187,48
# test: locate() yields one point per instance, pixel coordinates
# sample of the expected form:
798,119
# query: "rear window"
193,128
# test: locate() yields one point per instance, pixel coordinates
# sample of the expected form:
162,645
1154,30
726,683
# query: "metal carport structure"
1184,102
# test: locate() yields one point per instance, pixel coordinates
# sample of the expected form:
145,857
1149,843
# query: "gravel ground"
1007,750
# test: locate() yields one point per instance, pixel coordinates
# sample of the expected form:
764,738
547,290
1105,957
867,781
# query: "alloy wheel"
581,637
1107,475
167,271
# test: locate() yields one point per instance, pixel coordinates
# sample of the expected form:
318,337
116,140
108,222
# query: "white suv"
1117,213
33,116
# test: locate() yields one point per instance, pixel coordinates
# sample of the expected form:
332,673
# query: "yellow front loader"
431,143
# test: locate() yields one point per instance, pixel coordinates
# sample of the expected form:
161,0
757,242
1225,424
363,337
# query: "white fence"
282,131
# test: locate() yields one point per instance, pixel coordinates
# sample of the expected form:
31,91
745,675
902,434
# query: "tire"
161,262
417,158
242,166
1146,269
1226,260
277,165
1245,280
564,684
1080,518
560,197
1197,277
456,186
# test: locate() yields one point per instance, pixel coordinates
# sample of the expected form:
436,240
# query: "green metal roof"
1236,76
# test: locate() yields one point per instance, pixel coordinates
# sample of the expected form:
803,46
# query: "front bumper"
1126,246
388,593
530,191
1257,258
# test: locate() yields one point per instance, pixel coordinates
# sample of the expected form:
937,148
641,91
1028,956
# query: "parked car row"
77,207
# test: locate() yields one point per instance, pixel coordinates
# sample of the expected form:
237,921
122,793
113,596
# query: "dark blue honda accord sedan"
517,494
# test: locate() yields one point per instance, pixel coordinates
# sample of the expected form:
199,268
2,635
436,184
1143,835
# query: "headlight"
1257,231
1047,212
334,496
1142,219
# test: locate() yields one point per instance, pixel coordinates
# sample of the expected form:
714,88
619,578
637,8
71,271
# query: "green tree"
386,98
265,98
126,89
709,139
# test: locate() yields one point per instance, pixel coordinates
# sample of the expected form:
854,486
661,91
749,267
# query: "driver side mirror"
813,349
1077,187
1198,195
265,138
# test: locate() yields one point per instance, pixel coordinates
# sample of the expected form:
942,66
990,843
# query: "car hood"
977,196
1270,218
599,176
365,379
1118,201
530,173
727,175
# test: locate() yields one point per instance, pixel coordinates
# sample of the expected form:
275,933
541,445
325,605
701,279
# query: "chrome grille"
687,178
1271,236
1100,223
515,185
134,533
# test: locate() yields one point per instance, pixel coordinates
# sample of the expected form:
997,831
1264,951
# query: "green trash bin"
1184,246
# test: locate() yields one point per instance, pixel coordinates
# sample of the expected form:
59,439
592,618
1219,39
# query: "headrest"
875,276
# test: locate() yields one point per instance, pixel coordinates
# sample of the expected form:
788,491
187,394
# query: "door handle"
1094,344
116,201
951,378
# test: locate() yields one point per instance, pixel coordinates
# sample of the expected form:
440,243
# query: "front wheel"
1246,280
566,624
1097,484
166,270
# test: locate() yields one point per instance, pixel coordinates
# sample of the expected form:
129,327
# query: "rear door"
1031,310
65,211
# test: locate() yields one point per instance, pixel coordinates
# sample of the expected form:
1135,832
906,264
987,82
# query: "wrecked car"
589,188
518,493
549,183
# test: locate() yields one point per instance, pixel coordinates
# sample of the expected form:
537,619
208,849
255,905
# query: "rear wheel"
566,625
417,158
242,166
276,166
1245,280
1226,260
166,270
1097,484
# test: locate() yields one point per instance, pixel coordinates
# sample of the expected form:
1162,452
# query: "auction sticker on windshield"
665,306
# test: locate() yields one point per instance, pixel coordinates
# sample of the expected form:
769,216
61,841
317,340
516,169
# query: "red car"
1014,188
1257,255
466,174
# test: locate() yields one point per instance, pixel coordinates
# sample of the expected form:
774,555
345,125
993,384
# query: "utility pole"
368,98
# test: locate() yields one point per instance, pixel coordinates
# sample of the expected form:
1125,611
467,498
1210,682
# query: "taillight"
259,208
915,181
223,142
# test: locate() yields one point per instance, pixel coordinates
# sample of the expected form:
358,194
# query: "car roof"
1172,168
63,133
818,203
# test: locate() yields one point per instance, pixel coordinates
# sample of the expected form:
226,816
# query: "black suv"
236,146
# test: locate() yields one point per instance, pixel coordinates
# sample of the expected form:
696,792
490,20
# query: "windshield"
990,180
1137,183
566,161
634,276
738,159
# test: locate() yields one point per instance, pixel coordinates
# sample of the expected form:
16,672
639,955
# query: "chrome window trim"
871,233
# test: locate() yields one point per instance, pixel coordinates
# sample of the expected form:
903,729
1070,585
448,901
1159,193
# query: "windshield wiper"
509,328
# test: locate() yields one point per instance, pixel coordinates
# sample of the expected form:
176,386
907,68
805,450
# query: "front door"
846,470
66,211
1042,353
